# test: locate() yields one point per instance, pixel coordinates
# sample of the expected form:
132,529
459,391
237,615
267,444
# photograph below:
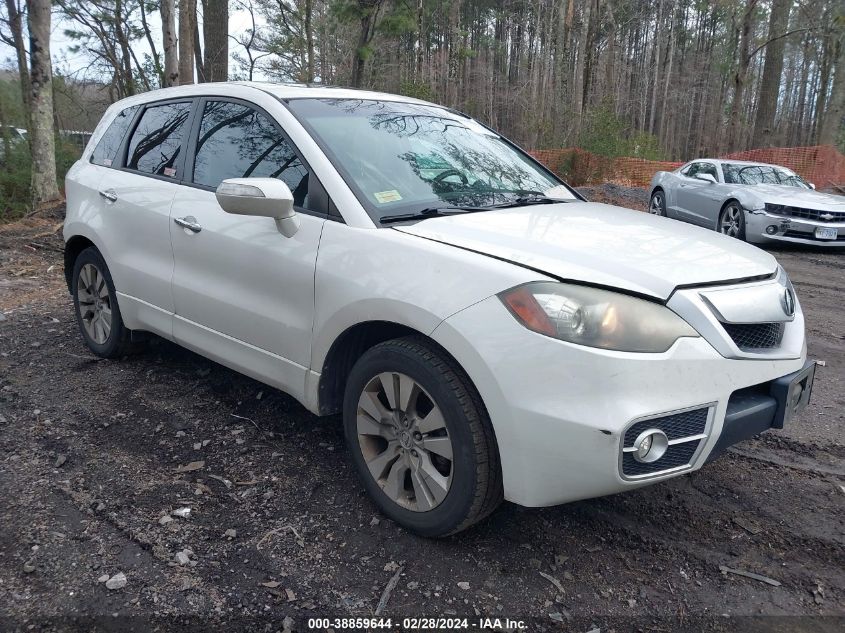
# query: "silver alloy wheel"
404,441
94,303
731,221
656,206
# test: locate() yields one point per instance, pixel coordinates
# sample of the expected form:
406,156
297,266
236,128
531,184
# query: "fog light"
650,446
772,229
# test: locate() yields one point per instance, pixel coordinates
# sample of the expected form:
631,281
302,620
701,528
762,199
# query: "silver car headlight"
594,317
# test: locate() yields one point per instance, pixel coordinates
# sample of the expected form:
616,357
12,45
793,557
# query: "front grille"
677,427
755,336
806,214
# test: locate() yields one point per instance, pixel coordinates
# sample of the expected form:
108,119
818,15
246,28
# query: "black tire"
737,228
657,201
476,484
118,341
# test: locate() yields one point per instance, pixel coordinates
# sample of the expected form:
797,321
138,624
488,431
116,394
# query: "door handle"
188,222
108,194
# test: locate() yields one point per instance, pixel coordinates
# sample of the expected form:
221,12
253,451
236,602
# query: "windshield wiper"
431,212
523,201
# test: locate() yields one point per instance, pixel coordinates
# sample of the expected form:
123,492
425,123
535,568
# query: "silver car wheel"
404,441
731,221
94,303
656,206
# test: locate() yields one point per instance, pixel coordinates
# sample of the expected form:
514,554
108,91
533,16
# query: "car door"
696,196
244,293
136,196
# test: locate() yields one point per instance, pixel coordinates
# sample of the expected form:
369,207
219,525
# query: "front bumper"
753,410
561,411
790,230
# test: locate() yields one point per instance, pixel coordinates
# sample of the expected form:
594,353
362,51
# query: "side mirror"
706,178
812,185
263,197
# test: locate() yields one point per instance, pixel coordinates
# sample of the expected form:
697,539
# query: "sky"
73,64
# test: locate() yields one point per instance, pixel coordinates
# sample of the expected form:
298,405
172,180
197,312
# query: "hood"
601,244
797,197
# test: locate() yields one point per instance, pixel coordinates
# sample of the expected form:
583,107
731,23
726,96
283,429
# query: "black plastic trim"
749,413
757,409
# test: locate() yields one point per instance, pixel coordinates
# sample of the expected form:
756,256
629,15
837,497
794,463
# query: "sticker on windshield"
387,196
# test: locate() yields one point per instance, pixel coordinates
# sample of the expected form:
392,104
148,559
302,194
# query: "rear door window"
106,151
156,145
237,141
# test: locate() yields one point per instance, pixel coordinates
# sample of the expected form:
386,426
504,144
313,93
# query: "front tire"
420,438
732,221
95,304
657,205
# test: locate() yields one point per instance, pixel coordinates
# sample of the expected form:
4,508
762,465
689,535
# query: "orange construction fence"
823,165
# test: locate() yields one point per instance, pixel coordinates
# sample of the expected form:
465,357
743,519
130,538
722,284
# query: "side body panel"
240,284
386,275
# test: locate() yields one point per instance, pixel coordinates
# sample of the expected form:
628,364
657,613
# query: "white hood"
798,197
601,244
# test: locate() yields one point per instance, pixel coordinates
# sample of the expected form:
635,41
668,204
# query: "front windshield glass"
738,174
402,158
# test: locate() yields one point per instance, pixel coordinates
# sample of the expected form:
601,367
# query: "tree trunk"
187,26
309,40
215,32
658,46
44,187
831,126
740,77
16,26
764,121
368,10
171,53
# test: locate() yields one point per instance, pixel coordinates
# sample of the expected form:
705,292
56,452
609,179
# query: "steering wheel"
446,173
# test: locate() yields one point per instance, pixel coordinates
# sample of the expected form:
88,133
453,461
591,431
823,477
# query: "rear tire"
95,305
732,221
420,438
657,205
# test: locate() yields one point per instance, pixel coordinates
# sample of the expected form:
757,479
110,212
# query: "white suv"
484,331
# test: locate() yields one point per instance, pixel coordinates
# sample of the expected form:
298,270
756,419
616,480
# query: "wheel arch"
351,344
73,247
725,206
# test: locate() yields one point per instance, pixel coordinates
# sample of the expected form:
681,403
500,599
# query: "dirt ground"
272,528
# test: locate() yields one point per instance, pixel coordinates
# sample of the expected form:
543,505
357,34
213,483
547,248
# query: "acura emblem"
787,301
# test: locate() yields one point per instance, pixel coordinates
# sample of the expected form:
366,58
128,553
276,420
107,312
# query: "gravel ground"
223,505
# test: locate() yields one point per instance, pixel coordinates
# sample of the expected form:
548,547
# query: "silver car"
750,201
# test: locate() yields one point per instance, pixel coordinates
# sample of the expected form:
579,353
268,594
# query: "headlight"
594,317
775,209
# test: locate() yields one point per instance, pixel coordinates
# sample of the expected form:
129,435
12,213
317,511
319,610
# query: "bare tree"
772,70
44,187
832,123
15,39
250,40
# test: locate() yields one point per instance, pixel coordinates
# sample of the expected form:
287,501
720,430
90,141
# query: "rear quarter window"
109,144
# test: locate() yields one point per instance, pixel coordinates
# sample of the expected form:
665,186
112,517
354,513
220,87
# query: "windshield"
739,174
402,158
